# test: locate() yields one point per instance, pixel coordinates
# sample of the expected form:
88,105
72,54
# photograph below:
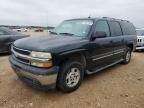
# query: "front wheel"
127,56
70,76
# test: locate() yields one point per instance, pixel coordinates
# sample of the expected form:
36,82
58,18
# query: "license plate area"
25,76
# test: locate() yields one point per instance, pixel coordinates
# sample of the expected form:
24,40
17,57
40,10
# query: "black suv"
75,48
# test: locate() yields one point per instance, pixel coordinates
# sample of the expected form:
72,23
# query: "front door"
101,49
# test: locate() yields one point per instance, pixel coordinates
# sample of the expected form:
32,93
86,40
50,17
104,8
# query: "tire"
72,71
127,56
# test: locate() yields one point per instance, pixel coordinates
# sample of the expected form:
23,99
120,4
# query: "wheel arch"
74,56
131,46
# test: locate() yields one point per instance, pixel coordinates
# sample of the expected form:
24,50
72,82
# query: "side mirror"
99,35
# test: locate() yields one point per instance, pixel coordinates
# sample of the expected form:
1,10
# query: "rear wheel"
127,56
70,76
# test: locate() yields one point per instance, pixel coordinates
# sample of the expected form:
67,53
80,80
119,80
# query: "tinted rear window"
128,28
115,28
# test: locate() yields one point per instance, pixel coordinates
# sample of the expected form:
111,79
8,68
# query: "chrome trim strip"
102,57
21,49
21,61
29,58
111,52
118,52
108,55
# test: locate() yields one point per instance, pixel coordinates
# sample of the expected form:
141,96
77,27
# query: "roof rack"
115,19
108,17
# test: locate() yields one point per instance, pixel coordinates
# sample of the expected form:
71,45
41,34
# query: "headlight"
42,55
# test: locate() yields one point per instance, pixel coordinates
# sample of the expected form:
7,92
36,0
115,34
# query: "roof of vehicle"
97,18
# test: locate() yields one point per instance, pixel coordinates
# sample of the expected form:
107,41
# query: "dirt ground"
121,86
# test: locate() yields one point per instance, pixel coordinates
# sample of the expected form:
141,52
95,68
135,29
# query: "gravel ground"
121,86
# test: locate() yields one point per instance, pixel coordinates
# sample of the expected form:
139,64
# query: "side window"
102,26
115,28
128,28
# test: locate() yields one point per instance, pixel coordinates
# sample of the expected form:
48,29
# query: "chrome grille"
139,40
24,56
23,52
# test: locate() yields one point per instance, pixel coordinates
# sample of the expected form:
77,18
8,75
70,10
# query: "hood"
45,43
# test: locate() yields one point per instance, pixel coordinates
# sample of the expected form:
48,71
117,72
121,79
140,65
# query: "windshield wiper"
66,34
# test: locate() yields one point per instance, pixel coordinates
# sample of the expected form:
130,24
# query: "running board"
100,69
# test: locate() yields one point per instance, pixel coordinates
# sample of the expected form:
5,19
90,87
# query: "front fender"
70,55
76,51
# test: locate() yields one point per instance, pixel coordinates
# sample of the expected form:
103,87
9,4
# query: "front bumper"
140,46
34,76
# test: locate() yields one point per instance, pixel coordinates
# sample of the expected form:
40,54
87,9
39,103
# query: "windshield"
140,32
74,28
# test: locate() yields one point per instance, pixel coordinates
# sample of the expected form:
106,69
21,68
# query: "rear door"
117,39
